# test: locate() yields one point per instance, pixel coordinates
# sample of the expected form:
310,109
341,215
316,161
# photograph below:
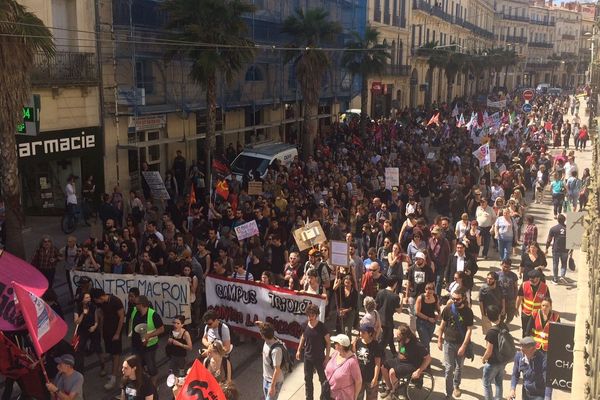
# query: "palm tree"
511,58
366,57
308,30
217,22
453,63
22,35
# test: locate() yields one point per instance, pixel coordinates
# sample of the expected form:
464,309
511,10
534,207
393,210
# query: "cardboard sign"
239,303
246,230
255,188
309,235
169,295
575,229
157,186
339,253
561,343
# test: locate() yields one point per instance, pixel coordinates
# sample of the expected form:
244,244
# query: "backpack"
506,345
287,361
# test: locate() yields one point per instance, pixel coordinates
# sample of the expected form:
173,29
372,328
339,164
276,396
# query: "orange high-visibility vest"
540,332
533,302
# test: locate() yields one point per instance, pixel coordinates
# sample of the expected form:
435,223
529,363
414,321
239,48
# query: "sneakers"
456,392
385,394
111,383
554,281
562,279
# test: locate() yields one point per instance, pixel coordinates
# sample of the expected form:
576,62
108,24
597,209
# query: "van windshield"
244,164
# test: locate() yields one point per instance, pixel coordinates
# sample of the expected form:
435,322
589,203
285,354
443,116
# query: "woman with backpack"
558,193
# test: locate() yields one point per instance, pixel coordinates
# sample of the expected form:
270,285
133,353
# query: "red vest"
540,333
533,302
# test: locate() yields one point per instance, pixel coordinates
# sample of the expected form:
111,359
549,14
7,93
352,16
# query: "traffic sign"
528,94
526,108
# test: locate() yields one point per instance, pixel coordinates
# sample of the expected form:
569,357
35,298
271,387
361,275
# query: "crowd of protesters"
415,246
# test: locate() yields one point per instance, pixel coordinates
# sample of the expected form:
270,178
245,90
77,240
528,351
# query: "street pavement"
246,357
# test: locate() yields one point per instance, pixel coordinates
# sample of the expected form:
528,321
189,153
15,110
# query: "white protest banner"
169,295
157,186
575,229
392,177
246,230
241,303
496,104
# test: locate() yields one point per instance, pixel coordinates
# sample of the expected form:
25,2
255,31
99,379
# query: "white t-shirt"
71,195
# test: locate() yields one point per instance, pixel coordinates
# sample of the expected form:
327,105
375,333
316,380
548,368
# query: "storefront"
47,160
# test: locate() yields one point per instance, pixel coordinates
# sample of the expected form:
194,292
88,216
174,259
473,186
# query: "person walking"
68,383
388,303
529,297
343,370
136,385
557,238
505,231
485,218
532,365
539,324
369,355
418,276
272,357
113,318
314,348
87,325
508,281
427,310
490,294
145,344
178,345
557,185
45,258
493,366
454,339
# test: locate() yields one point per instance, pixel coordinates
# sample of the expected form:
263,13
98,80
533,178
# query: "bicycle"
69,220
410,389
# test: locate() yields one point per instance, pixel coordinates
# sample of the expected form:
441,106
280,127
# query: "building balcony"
538,66
545,23
397,70
516,39
66,68
542,45
514,17
566,36
434,10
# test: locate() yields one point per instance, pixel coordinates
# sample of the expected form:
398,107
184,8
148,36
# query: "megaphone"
141,329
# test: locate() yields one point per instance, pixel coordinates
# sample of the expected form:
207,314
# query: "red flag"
434,120
200,384
14,363
222,189
44,326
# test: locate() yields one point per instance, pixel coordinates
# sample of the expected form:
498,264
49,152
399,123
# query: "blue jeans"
504,248
563,257
492,373
267,386
452,366
425,330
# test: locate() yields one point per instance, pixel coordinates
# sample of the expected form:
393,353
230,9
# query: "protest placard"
246,230
240,303
255,188
156,184
575,229
169,295
392,177
309,235
339,253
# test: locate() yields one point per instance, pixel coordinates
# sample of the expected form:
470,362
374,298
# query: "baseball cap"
420,255
341,339
65,359
527,341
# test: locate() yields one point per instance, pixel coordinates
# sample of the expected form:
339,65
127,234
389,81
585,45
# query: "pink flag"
44,326
12,269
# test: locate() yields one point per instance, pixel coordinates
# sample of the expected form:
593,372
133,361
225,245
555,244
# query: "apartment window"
509,10
254,74
143,76
413,38
403,13
427,37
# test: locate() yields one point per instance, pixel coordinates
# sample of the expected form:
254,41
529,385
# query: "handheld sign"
561,343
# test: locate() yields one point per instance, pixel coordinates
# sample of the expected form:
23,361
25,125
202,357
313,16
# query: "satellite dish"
141,329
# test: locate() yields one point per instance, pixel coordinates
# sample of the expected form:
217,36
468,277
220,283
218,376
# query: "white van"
542,88
259,156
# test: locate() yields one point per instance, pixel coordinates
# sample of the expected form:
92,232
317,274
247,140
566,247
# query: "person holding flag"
68,384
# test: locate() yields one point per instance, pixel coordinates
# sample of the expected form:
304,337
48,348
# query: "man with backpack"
273,356
499,350
216,330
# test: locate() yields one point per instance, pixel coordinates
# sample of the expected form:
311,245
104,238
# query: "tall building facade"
66,89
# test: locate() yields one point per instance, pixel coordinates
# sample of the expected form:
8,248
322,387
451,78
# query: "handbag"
326,386
572,263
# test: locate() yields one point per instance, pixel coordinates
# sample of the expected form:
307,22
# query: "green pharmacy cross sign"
30,123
